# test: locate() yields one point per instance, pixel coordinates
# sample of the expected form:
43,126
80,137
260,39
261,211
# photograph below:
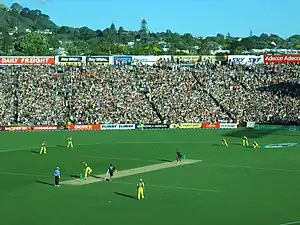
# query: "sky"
198,17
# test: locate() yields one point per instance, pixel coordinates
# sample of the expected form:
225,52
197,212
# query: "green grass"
232,186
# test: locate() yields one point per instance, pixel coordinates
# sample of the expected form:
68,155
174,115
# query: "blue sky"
198,17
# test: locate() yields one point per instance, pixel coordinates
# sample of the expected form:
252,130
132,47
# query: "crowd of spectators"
164,93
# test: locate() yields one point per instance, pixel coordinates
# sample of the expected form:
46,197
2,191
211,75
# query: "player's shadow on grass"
75,176
43,182
35,152
125,195
98,177
61,146
164,160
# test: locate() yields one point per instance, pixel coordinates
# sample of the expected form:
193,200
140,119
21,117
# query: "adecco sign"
282,59
246,59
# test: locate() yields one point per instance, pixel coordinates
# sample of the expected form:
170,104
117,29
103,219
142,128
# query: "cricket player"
70,143
224,142
43,148
245,141
178,156
110,172
255,144
87,170
140,189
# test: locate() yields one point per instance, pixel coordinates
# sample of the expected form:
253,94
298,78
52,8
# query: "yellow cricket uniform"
255,145
224,142
140,189
70,143
43,149
245,141
87,171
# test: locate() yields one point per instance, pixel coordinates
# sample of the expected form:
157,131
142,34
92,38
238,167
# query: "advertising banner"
99,59
27,60
69,60
32,128
186,58
175,126
186,126
213,58
208,125
228,125
117,126
148,59
250,124
246,59
121,60
190,125
83,127
17,128
281,59
276,127
152,126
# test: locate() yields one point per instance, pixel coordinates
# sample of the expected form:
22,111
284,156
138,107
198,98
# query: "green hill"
23,18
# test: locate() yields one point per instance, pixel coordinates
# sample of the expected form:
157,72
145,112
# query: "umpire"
56,176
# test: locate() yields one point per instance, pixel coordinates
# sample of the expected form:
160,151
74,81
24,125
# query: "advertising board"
27,60
99,59
70,60
246,59
281,59
228,125
83,127
117,127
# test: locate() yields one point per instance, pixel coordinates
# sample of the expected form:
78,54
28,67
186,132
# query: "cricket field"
214,185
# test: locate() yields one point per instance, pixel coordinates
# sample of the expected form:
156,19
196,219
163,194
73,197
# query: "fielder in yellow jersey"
43,148
255,144
87,171
245,141
224,142
140,189
70,143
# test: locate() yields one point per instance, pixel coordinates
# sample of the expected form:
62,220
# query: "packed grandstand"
164,90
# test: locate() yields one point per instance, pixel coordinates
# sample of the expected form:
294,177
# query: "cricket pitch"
130,172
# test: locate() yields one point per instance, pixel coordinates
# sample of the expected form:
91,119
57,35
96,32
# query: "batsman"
140,189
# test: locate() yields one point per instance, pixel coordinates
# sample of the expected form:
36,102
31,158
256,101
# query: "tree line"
31,32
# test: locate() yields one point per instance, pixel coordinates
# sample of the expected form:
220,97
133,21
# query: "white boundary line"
296,222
